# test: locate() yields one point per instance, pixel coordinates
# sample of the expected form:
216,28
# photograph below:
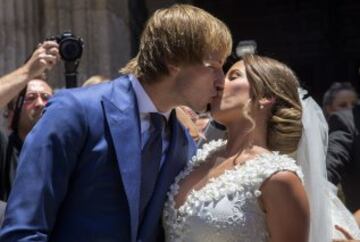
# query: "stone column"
19,32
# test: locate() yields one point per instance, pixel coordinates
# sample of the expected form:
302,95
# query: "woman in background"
339,96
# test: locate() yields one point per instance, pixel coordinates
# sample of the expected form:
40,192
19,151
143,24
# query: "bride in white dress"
238,190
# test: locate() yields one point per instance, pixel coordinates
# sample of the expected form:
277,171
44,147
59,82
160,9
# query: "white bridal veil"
326,209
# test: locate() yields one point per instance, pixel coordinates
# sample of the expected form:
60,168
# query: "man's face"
37,95
197,85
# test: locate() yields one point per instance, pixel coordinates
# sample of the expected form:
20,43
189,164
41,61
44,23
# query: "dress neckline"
238,186
200,158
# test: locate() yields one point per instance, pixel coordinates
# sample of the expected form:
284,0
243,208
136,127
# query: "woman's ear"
265,102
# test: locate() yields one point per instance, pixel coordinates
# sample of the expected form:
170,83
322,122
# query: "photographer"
29,92
43,58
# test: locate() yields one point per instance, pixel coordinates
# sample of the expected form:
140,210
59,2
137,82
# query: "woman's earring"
261,106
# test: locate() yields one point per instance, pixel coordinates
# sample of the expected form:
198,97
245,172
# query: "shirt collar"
145,104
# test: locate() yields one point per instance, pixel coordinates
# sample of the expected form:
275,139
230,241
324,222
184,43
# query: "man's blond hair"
181,34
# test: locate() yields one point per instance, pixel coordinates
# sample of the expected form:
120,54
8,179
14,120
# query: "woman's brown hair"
270,78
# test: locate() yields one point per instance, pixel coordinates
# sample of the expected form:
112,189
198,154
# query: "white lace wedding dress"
226,209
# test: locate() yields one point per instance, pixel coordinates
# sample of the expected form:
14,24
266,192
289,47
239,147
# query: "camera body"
70,50
70,47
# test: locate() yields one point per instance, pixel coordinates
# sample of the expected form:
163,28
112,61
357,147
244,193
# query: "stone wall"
103,24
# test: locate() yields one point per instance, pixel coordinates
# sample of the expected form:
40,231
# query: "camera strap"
17,110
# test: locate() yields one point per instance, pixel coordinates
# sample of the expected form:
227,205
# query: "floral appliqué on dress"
226,209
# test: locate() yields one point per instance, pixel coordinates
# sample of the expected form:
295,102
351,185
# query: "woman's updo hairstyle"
270,78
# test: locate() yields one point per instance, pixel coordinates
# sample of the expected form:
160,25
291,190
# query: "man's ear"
173,69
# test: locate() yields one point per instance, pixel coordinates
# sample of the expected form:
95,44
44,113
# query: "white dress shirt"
146,106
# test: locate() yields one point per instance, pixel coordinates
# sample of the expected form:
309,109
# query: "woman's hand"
348,237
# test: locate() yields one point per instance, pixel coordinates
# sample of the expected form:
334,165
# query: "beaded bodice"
227,207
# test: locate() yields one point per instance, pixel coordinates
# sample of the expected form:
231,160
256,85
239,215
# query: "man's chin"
35,119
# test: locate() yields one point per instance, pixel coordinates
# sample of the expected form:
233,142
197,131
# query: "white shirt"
146,106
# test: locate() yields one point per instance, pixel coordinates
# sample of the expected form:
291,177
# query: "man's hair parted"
180,34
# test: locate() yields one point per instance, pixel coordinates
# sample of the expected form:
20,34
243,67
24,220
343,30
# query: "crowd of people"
174,149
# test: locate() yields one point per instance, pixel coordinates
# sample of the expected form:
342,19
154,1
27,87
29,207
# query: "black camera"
70,47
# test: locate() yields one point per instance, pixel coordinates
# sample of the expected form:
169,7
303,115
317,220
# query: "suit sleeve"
341,138
48,158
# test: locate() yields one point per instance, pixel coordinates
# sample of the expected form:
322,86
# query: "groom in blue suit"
98,164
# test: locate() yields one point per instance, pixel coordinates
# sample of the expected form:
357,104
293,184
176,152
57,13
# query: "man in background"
24,94
22,113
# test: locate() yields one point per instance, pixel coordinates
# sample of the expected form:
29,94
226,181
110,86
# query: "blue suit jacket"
79,173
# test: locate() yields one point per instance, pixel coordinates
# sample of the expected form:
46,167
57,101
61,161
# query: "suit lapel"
176,159
122,117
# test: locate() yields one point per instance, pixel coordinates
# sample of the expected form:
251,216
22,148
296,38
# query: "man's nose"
40,102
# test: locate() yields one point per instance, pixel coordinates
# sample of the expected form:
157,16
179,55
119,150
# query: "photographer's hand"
43,58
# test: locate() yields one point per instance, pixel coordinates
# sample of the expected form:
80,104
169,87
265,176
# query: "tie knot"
158,121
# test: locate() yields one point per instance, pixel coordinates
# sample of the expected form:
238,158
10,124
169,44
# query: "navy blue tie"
151,158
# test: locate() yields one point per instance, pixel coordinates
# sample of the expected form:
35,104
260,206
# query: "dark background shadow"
318,39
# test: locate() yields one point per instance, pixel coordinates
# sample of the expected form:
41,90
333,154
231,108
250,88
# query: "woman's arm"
357,217
286,206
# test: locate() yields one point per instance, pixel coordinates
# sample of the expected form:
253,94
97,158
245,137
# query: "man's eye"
45,97
30,98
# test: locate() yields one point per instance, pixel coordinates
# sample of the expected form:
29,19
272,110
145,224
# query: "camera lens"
70,49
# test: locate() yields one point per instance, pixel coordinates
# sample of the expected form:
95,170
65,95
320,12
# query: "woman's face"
344,99
228,105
